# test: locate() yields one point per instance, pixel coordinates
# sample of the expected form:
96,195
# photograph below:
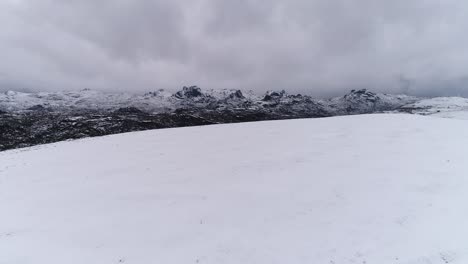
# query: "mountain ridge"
28,119
163,101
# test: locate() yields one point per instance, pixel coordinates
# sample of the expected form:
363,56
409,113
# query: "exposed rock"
129,111
237,95
189,92
37,108
272,95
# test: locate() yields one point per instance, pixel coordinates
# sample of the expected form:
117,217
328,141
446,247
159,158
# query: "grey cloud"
225,18
320,47
132,30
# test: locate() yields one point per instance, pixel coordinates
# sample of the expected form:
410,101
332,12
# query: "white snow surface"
388,188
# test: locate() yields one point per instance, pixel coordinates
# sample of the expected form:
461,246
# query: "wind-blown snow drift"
357,189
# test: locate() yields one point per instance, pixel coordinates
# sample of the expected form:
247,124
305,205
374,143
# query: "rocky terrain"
28,119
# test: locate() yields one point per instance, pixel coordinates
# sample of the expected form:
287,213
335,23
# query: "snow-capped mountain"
363,101
160,101
35,118
82,100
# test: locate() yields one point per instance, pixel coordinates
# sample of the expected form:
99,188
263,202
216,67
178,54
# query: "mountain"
28,119
364,101
193,97
387,188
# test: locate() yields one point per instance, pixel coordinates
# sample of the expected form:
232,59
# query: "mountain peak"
189,92
364,93
274,95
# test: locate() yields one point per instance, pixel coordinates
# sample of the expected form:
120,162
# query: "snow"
85,99
389,188
164,101
447,107
156,101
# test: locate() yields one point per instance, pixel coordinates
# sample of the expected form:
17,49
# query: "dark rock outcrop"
189,92
237,95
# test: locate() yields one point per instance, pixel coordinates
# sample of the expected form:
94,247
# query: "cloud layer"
321,47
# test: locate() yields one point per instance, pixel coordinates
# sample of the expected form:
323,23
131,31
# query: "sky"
318,47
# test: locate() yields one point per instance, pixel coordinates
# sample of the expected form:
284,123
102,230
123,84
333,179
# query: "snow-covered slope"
364,101
83,100
380,189
448,107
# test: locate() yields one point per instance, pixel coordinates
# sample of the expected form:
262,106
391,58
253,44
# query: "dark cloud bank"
321,47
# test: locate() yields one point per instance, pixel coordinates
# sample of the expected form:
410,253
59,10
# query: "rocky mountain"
360,101
28,119
363,101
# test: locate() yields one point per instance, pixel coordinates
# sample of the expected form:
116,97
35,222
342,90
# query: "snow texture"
386,189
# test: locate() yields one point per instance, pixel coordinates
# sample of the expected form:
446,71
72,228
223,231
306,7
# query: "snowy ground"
358,189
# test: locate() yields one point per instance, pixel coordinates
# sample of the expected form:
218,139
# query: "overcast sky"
322,47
